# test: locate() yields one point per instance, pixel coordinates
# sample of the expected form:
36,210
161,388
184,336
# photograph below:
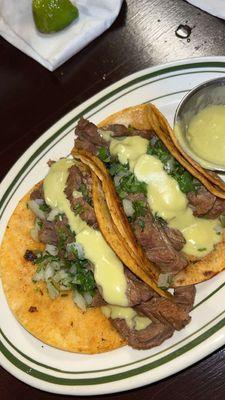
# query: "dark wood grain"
32,99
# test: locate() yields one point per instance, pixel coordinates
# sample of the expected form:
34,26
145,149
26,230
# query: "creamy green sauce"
165,197
129,149
206,134
132,318
108,269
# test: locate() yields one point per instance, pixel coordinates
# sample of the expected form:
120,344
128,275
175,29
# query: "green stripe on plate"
116,377
74,119
107,369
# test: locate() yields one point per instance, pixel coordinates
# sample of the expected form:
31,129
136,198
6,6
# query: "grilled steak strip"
205,204
185,296
165,311
158,246
88,137
79,179
38,193
165,316
119,130
153,335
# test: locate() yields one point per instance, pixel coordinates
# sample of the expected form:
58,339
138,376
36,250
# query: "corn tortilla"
58,322
147,116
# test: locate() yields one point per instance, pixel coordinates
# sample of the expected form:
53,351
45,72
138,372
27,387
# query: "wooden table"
32,99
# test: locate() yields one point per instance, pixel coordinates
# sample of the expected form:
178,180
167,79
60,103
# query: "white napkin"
17,27
215,7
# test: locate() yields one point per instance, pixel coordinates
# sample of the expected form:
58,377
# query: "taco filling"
123,253
77,258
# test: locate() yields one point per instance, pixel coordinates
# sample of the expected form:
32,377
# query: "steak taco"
99,242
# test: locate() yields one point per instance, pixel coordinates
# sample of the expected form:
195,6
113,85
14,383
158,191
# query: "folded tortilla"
147,116
60,323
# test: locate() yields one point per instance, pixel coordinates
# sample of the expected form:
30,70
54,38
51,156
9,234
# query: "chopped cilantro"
159,220
84,190
83,280
44,207
40,223
202,249
116,168
130,184
44,257
160,151
62,238
185,180
139,209
103,154
78,209
141,223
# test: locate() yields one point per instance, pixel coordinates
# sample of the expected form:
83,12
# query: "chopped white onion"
34,231
39,276
61,274
73,269
170,164
153,140
88,298
52,291
39,201
51,249
33,206
34,234
49,272
128,207
53,213
76,246
164,280
56,265
117,179
79,300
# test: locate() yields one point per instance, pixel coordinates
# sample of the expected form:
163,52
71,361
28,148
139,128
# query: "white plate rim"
191,357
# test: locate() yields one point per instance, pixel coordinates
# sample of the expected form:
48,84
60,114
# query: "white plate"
57,371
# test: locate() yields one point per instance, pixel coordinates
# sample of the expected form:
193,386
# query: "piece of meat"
38,193
175,237
153,335
88,137
87,212
79,178
217,209
47,233
56,233
97,300
157,245
205,204
165,311
166,316
120,130
82,144
185,296
137,290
